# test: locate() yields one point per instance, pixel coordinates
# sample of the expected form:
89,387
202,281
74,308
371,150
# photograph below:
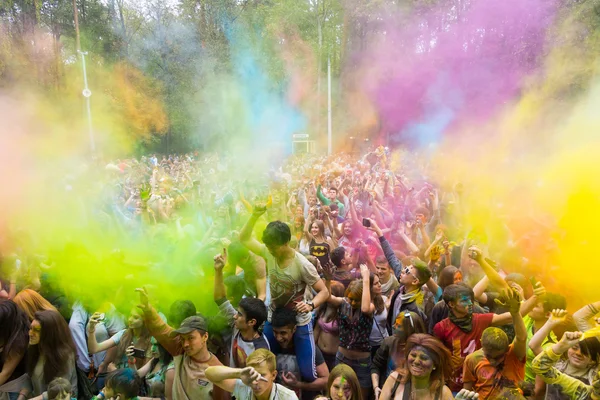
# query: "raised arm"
557,317
583,316
476,254
93,346
219,291
365,306
520,341
246,234
391,257
226,377
157,327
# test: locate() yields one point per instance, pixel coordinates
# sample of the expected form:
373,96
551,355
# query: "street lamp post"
87,93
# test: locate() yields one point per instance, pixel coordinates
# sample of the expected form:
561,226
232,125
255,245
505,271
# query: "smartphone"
366,223
139,353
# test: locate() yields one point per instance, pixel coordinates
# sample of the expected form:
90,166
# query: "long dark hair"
376,298
14,335
164,357
56,344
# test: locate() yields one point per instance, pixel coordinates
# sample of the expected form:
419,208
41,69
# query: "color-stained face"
494,357
463,306
35,332
577,359
354,301
458,277
408,276
419,362
340,389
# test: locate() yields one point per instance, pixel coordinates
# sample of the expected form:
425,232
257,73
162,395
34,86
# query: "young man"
255,270
534,321
290,273
389,283
283,322
190,353
343,261
410,295
498,366
246,320
256,381
331,198
461,331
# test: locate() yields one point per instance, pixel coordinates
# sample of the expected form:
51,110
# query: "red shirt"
460,343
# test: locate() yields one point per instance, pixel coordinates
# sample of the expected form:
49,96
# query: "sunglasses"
406,271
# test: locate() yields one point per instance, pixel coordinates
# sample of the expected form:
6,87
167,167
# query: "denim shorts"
361,366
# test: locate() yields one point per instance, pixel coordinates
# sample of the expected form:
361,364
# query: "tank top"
321,251
408,390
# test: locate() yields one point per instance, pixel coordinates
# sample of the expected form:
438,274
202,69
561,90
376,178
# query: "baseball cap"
190,324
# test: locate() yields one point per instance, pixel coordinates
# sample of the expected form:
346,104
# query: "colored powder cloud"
449,64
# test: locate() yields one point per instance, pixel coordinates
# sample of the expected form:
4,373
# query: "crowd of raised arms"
338,277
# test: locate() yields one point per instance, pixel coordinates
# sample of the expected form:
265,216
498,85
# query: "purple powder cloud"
449,64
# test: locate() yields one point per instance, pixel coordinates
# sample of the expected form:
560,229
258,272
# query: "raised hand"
220,260
249,375
364,272
557,317
539,290
475,253
144,303
511,299
95,319
570,339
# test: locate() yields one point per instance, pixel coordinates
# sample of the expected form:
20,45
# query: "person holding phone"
134,341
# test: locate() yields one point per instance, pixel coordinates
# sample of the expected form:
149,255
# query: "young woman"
391,355
320,245
158,373
51,353
327,331
355,320
14,337
342,385
31,302
379,331
136,336
427,368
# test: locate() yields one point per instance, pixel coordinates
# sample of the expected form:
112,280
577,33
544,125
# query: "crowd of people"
340,277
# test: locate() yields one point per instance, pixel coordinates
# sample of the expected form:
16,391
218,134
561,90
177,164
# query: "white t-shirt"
278,392
288,285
